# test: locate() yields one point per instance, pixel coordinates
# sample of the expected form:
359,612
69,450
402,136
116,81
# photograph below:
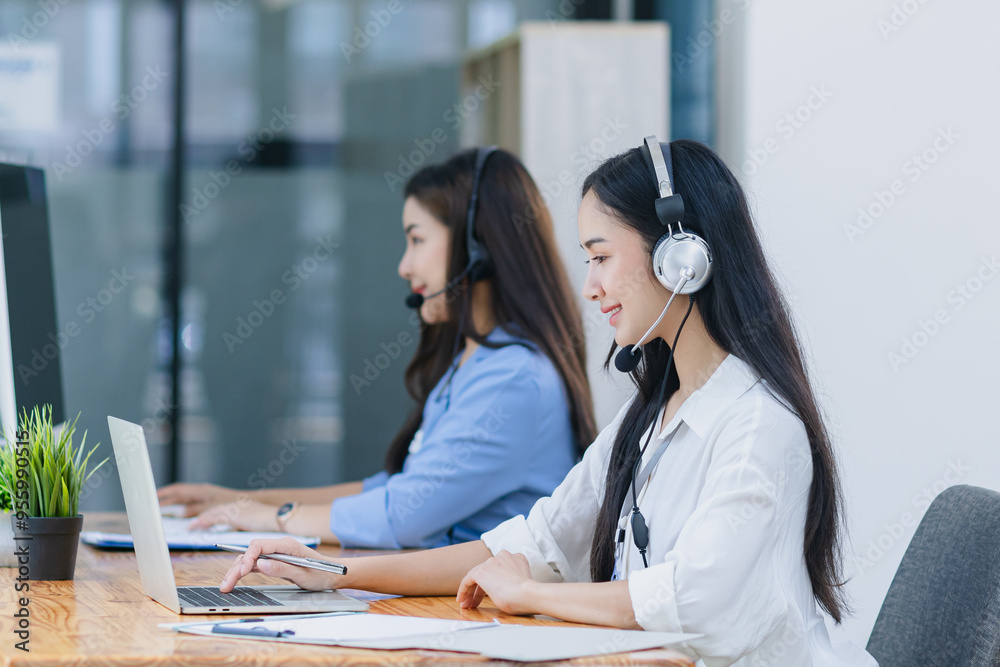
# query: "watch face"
285,509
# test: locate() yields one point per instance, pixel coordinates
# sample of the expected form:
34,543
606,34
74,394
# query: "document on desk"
180,536
493,640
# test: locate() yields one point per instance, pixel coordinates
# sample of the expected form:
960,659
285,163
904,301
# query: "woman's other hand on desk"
506,578
242,515
312,580
196,498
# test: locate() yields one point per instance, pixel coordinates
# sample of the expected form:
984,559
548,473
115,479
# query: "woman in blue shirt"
503,404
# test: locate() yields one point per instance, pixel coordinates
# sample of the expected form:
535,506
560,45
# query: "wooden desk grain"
104,618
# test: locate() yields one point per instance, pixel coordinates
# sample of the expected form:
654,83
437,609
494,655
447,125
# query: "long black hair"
745,314
530,290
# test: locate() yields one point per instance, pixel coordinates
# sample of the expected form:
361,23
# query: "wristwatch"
285,513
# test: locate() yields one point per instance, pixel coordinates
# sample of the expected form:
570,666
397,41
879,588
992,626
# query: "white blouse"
726,509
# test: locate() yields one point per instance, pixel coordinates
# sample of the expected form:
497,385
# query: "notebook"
180,537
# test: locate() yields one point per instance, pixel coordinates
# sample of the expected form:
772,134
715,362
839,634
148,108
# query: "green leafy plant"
56,471
5,505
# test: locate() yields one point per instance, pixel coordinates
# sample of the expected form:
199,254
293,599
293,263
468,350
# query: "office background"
863,132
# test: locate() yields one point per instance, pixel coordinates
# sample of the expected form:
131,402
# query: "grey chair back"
943,607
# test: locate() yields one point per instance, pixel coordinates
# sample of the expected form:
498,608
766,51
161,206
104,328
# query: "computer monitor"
30,340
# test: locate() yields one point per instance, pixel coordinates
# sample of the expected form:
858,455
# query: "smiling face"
425,263
619,273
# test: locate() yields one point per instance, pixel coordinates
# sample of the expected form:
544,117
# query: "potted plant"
43,474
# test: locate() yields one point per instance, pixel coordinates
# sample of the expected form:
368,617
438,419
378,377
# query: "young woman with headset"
503,403
710,505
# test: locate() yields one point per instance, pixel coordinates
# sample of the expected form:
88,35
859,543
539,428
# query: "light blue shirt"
492,441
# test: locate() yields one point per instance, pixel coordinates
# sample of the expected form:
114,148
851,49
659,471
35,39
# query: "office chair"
943,607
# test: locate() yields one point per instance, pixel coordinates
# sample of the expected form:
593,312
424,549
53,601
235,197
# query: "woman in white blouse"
722,452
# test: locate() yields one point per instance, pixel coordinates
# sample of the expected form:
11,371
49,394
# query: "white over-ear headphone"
679,250
682,260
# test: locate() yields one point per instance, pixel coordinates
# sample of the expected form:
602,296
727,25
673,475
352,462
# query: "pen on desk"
223,629
312,563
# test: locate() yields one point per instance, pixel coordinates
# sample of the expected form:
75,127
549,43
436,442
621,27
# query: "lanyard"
643,477
640,482
452,369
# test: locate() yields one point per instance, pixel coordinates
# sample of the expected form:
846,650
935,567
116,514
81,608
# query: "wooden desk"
103,618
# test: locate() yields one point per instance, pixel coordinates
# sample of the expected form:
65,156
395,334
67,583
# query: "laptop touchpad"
292,594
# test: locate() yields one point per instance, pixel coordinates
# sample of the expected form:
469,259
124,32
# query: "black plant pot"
51,545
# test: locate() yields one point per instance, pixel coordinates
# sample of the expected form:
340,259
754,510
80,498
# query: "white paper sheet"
501,641
362,627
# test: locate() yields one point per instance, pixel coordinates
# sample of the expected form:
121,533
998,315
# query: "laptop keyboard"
207,596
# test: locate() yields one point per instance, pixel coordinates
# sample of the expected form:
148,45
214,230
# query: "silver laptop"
153,555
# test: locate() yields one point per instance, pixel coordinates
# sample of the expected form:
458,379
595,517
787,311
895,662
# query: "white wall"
904,431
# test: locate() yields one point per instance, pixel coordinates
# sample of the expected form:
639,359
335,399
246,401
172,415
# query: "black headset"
479,266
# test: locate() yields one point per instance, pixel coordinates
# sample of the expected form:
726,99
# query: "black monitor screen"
31,306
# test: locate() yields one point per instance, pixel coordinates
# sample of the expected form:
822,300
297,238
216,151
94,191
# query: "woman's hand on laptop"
196,498
309,579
